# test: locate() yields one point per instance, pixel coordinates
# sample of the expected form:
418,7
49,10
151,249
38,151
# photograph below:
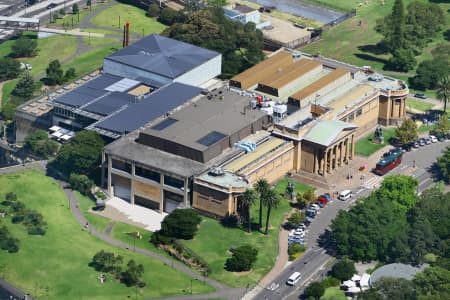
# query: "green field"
354,44
120,231
298,186
56,266
99,41
90,60
213,241
137,18
418,104
333,293
365,147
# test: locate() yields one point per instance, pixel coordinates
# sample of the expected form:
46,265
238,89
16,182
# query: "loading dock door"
122,192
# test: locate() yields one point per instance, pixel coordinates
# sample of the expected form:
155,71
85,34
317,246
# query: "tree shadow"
327,242
435,172
376,49
371,58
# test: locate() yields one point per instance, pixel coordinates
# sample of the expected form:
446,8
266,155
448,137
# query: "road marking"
404,167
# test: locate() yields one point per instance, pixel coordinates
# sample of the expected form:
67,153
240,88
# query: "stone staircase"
311,179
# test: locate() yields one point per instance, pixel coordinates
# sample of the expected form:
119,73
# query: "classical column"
161,200
109,187
353,146
347,150
133,173
334,157
316,162
325,163
341,157
186,193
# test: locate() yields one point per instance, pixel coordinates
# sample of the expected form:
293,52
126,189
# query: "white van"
294,278
345,195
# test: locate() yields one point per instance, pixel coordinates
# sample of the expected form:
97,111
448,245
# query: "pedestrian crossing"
373,182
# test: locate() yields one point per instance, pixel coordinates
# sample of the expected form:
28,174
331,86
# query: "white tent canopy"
54,128
356,277
57,134
364,282
349,284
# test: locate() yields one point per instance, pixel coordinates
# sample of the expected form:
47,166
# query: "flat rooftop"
151,107
163,56
283,31
349,99
283,76
206,121
261,150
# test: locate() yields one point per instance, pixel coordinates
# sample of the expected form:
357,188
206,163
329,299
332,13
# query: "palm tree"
261,186
248,198
443,91
272,200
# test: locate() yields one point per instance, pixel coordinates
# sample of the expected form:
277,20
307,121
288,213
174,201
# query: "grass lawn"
98,41
136,16
119,230
213,241
365,147
104,31
7,89
344,5
91,60
298,186
354,44
418,104
333,293
55,266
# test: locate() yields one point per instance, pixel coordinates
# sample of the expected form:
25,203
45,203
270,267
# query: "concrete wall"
202,73
118,69
365,116
212,201
307,158
26,124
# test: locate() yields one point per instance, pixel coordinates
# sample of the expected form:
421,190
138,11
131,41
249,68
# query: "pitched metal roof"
163,56
325,132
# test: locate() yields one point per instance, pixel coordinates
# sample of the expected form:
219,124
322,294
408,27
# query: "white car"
433,139
28,67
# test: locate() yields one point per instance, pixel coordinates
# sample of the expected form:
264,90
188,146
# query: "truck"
388,163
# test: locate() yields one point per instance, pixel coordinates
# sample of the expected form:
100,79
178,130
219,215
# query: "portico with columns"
327,146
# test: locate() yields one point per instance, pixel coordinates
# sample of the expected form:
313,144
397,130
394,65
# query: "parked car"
321,204
428,141
422,142
441,138
314,206
51,5
416,144
420,95
433,139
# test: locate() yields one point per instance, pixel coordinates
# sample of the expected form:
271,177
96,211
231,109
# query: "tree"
434,281
89,3
407,132
402,59
24,47
442,127
39,143
80,183
25,87
181,224
70,74
82,155
261,186
423,22
153,10
272,201
75,9
343,269
107,262
395,289
443,91
62,12
9,68
296,218
131,276
248,199
242,259
429,72
55,73
443,164
315,290
169,16
393,28
240,45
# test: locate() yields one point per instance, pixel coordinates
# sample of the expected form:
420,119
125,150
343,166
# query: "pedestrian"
87,225
414,163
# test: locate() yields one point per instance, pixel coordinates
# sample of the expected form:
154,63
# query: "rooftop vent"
216,171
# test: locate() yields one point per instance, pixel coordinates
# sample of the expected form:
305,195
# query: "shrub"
11,197
7,242
80,183
158,238
315,290
296,218
230,221
181,224
330,282
17,207
343,269
242,259
35,230
17,219
295,248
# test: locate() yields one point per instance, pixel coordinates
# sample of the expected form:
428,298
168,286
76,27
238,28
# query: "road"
313,264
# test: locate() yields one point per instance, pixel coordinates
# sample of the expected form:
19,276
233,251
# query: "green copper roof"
325,132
